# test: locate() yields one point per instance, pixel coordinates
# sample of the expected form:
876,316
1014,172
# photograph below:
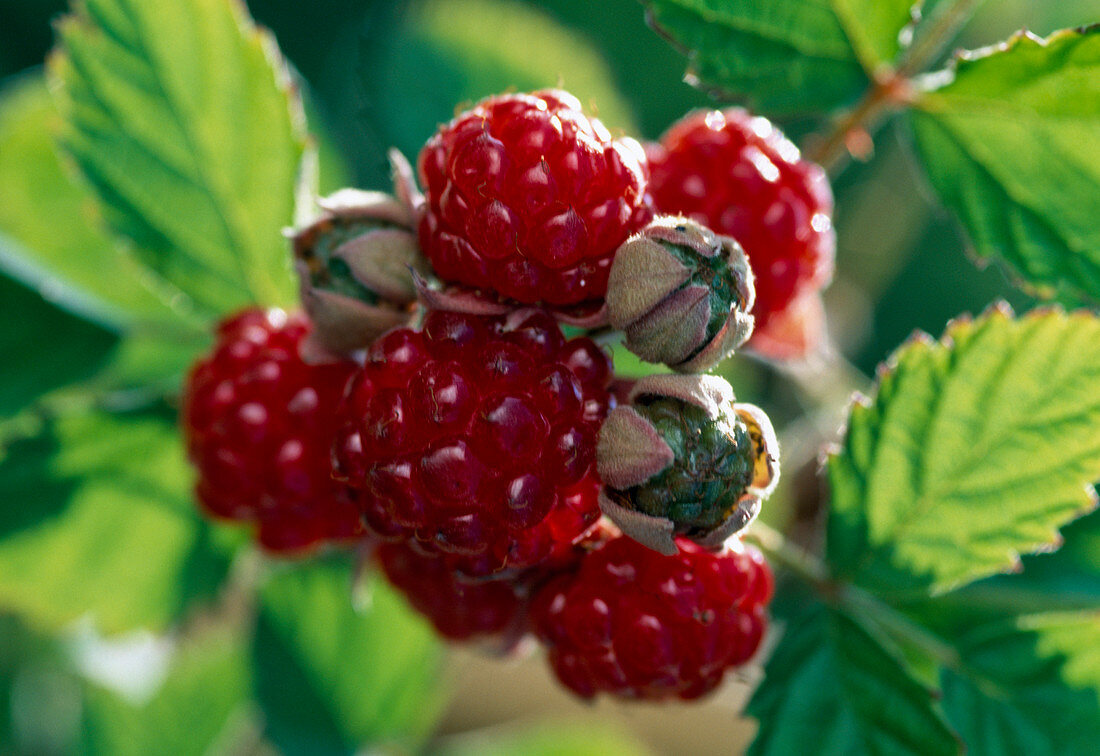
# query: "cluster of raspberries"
442,402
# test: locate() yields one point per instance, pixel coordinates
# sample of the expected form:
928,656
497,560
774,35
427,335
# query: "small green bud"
355,265
681,294
682,458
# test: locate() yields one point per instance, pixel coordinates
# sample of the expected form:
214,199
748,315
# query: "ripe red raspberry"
259,425
478,437
459,608
462,608
529,198
741,177
638,624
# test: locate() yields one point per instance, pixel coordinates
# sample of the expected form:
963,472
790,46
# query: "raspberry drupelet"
259,425
528,198
638,624
740,176
477,436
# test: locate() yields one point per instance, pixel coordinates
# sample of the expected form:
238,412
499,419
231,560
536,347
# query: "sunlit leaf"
786,56
974,449
200,708
1009,140
181,118
96,518
331,678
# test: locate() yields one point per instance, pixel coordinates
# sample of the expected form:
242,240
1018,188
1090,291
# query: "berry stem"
891,90
946,23
800,562
850,135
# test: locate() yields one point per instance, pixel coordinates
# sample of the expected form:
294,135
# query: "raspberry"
259,423
638,624
529,198
462,608
459,609
741,177
477,436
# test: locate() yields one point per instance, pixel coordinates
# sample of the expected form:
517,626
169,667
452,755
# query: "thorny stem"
813,571
891,90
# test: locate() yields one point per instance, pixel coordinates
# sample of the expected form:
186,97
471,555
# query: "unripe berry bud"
684,459
354,264
682,294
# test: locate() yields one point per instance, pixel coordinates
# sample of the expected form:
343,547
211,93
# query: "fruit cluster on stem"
429,406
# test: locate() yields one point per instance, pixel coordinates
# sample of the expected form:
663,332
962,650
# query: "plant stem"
891,88
864,118
800,562
854,600
943,28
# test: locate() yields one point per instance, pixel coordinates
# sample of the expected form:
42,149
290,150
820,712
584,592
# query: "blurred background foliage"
379,73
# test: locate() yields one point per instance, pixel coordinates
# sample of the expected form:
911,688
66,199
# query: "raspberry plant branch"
801,563
851,134
945,25
891,90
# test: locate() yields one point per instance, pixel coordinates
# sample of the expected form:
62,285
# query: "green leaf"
1009,143
440,55
831,684
97,518
1030,687
973,450
50,234
785,56
874,27
47,347
181,118
200,708
1065,580
330,678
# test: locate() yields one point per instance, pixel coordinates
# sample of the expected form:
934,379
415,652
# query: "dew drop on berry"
571,453
385,426
587,362
558,392
480,165
397,355
453,335
504,364
587,622
461,535
392,487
